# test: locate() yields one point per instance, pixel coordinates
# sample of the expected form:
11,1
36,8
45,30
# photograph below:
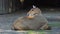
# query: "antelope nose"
30,17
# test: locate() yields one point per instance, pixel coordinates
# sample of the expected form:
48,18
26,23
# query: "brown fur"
36,23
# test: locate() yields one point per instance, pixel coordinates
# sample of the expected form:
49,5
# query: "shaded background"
38,3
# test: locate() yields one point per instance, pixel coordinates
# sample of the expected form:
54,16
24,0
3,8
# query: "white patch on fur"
34,6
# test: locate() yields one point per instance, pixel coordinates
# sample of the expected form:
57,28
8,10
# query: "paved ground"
6,20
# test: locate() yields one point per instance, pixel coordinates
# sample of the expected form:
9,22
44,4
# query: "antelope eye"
35,14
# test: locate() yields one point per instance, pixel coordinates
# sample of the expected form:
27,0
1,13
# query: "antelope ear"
34,6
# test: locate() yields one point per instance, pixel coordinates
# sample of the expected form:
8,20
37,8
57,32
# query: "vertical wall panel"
4,6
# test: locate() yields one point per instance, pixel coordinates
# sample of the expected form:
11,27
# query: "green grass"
34,32
54,24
